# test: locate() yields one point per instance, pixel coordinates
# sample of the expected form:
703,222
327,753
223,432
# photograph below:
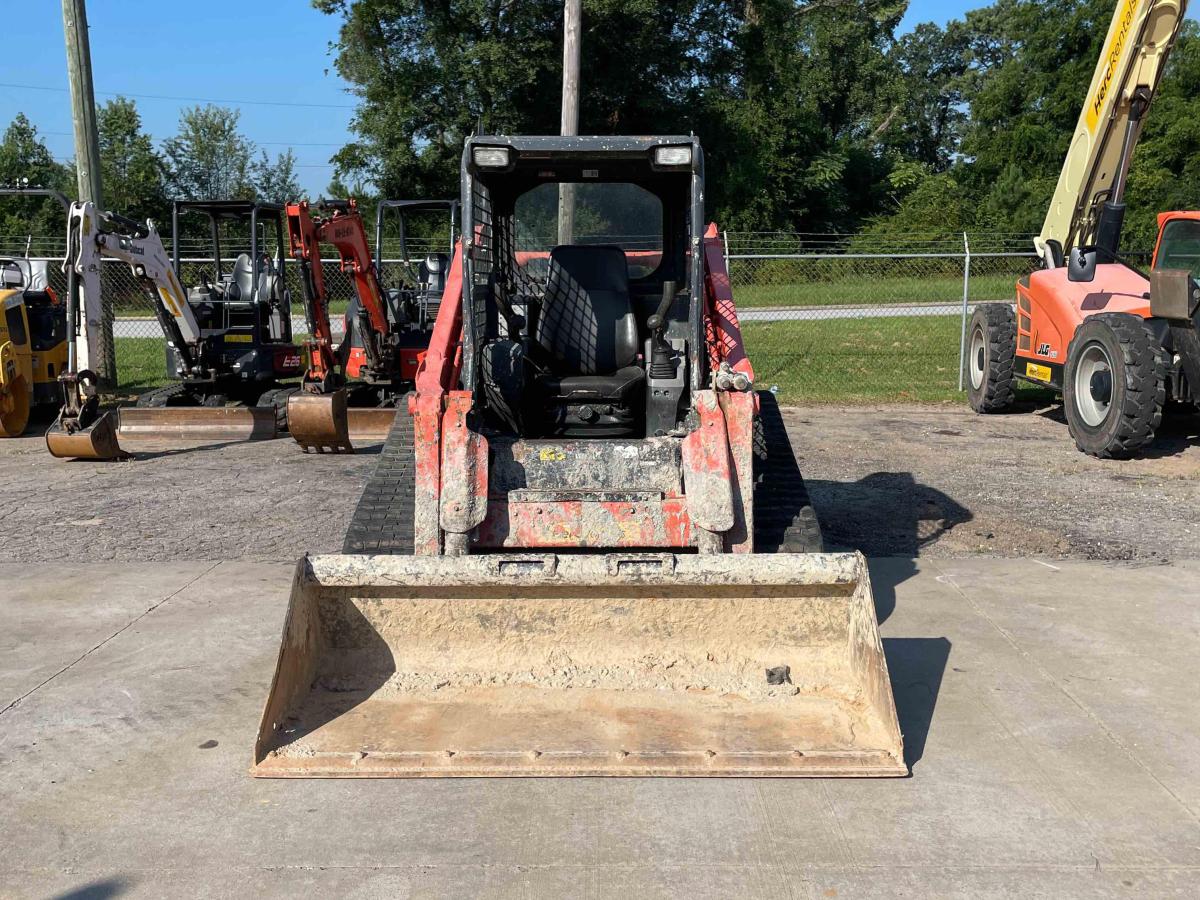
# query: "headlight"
490,157
672,156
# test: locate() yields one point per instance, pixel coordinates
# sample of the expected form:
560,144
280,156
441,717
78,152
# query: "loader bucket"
754,665
199,423
97,441
319,421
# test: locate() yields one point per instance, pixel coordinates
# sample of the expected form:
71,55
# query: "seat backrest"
243,276
586,323
432,272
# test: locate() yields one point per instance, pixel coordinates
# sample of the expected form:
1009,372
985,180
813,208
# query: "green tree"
132,170
208,158
24,156
788,98
275,179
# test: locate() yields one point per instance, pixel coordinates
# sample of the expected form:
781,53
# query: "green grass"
141,364
860,291
913,359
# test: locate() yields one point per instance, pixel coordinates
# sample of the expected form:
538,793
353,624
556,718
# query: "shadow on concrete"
916,666
885,514
97,890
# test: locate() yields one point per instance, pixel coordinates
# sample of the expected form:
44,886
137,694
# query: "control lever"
662,357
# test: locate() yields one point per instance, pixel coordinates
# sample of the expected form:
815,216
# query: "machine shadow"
916,667
885,514
97,890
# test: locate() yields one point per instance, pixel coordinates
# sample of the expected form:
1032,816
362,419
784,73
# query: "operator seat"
587,334
243,278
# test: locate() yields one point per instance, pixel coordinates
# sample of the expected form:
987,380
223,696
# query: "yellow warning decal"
238,338
551,454
1040,373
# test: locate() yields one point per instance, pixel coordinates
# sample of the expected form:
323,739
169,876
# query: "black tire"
383,519
1114,385
784,518
990,357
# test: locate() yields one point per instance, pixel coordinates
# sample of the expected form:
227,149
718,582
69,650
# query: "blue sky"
270,51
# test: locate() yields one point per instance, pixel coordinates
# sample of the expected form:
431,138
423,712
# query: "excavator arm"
322,375
1088,204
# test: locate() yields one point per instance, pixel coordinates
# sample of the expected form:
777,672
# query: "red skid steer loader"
586,549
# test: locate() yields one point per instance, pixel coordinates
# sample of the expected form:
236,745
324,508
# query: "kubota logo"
1112,56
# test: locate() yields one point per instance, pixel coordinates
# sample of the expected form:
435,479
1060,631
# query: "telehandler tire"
991,355
1114,385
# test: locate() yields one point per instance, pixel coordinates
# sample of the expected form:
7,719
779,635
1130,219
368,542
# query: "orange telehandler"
1117,342
376,362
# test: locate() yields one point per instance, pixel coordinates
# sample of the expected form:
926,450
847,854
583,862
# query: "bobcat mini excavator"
1115,341
586,549
202,360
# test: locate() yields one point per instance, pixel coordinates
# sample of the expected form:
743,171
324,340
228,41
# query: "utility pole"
99,355
570,111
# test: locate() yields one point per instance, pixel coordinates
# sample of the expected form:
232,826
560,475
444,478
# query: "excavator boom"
1087,204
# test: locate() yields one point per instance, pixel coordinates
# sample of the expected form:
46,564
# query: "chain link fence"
826,318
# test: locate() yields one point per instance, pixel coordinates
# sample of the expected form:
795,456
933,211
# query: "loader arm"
1088,203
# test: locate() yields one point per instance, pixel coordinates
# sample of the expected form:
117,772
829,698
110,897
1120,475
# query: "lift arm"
1088,204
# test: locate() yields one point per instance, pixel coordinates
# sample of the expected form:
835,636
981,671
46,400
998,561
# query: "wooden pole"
572,15
99,355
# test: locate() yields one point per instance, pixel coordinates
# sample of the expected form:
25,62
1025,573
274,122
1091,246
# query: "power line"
37,87
269,143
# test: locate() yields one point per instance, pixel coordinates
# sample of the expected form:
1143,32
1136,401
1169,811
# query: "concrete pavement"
1049,713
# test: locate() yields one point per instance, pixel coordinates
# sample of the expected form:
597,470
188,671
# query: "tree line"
207,158
815,116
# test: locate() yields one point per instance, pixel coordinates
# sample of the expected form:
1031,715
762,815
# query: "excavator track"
784,518
383,519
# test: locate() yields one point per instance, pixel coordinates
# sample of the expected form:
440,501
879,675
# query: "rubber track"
383,519
151,399
784,518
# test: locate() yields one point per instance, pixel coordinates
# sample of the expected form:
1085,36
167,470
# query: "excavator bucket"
621,664
97,441
319,421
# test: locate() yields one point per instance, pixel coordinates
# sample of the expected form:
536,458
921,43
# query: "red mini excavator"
384,342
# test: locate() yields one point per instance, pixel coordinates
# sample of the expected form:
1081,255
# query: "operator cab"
245,292
583,288
414,241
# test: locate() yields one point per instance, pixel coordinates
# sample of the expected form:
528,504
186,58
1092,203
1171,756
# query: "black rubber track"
161,396
383,519
784,518
1145,366
1000,329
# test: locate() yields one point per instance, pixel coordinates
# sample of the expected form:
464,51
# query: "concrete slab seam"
948,578
13,705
